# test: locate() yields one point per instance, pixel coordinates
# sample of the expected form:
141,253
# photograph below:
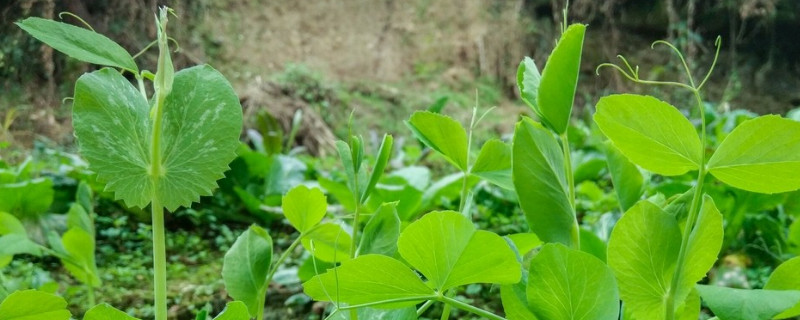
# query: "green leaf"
370,279
80,262
760,155
106,312
331,242
34,305
446,248
27,199
560,79
235,310
515,301
441,133
592,244
246,265
628,181
304,207
347,161
9,224
642,251
525,242
650,132
741,304
528,80
541,184
16,243
786,277
494,164
200,130
381,232
79,43
568,284
384,152
705,242
77,217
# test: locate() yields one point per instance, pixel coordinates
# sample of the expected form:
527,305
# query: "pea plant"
164,149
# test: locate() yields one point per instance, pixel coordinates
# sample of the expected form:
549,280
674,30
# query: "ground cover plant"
391,252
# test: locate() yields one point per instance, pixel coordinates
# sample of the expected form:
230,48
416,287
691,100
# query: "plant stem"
159,261
576,234
272,271
691,221
424,307
90,294
469,308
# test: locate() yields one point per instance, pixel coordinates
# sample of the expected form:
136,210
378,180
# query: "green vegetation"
625,216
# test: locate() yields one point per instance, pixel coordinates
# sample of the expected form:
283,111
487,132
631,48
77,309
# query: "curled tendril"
680,55
67,13
718,44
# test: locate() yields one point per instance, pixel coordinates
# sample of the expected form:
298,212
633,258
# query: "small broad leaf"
9,224
16,243
34,305
515,301
245,267
27,199
568,284
642,251
650,132
77,217
592,244
742,304
705,242
494,164
79,261
528,80
236,310
106,312
541,183
370,279
79,43
346,155
201,122
760,155
407,313
381,232
560,79
304,207
441,133
446,248
384,152
628,181
786,277
330,242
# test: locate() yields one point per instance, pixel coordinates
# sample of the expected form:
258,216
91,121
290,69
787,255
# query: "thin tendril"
718,44
680,55
634,73
76,17
145,49
485,114
177,45
637,80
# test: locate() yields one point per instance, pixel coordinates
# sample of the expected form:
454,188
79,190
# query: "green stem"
140,81
159,261
576,234
424,307
691,221
469,308
272,271
90,294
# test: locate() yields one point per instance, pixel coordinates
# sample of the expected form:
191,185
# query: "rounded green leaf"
201,123
515,301
541,183
742,304
760,155
642,251
331,243
34,305
79,43
441,133
381,232
494,164
560,79
786,277
628,181
106,312
704,245
568,284
650,132
79,246
246,265
235,310
304,207
369,279
446,248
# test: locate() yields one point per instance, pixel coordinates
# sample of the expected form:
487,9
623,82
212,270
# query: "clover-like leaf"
446,248
200,128
304,207
568,284
331,243
628,181
743,304
494,164
560,79
786,277
381,232
441,133
650,132
34,305
106,312
235,310
245,267
760,155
